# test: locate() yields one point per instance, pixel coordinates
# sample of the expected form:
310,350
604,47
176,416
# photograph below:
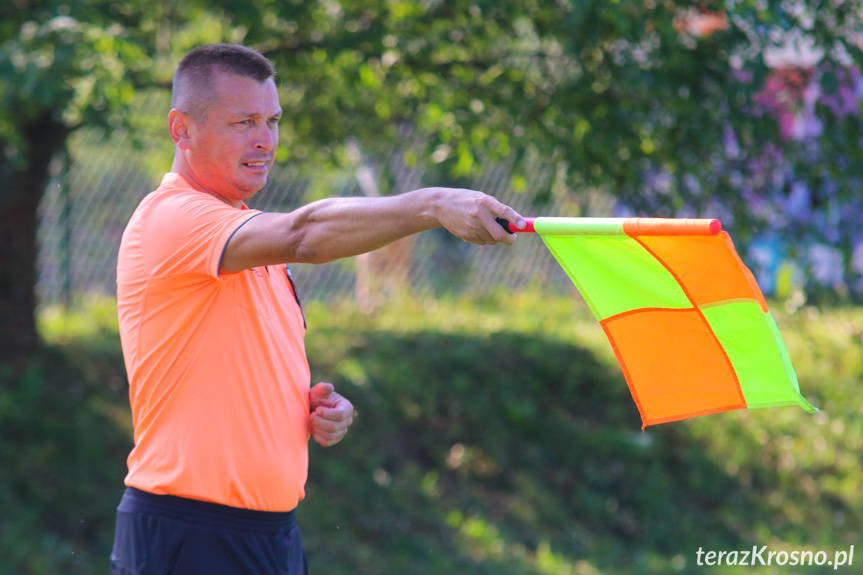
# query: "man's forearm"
336,228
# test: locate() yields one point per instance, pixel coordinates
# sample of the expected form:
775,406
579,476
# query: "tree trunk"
21,188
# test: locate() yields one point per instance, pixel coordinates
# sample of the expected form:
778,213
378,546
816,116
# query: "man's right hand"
470,215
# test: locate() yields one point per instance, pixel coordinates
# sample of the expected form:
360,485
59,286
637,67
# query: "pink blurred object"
700,24
792,88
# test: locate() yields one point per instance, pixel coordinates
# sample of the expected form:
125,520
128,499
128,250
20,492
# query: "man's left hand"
331,414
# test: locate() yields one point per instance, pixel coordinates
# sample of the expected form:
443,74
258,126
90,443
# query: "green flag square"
615,274
757,353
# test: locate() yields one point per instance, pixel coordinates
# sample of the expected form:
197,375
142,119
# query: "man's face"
233,146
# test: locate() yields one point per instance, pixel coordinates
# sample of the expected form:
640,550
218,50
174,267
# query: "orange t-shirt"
218,376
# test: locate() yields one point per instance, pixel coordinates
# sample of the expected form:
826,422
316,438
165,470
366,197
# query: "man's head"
193,81
224,120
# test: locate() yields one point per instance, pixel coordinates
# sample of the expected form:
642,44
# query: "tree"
706,109
63,66
57,72
616,96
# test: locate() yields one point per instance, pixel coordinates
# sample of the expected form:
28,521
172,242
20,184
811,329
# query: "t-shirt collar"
175,180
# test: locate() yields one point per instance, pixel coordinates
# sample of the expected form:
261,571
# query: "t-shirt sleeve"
187,232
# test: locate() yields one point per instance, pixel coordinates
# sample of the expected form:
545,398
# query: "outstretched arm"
342,227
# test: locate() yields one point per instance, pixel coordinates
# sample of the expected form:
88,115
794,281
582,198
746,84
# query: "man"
212,329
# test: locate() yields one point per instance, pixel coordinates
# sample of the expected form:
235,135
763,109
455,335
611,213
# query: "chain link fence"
93,193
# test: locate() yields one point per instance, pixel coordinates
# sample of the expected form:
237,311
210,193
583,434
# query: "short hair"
192,86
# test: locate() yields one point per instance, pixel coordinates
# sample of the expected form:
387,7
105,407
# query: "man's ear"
178,126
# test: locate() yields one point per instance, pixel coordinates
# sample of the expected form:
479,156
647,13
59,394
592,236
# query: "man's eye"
274,121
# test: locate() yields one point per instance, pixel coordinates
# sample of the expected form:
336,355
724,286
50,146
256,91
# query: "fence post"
66,223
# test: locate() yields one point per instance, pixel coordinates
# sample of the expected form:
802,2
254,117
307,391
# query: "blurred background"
495,433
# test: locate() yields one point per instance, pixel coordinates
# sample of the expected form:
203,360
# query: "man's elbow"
306,252
306,255
307,240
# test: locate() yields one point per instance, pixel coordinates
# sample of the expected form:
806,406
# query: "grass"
493,436
564,481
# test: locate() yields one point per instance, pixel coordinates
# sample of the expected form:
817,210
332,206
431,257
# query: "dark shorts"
167,535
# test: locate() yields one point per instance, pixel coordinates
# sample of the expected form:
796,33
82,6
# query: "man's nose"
266,138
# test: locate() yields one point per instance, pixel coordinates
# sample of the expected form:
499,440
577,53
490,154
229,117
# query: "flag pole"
617,226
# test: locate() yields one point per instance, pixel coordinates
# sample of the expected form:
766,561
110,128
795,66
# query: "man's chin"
250,186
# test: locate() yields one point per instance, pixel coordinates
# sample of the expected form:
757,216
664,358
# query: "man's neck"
181,167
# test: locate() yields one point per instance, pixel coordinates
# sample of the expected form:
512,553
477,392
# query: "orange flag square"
680,372
706,268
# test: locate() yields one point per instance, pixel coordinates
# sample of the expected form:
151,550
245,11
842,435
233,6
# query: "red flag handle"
505,224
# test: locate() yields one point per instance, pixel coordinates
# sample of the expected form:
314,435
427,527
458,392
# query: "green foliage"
492,436
79,63
55,63
64,435
604,91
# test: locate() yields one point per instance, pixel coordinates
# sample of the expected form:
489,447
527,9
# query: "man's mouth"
256,164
